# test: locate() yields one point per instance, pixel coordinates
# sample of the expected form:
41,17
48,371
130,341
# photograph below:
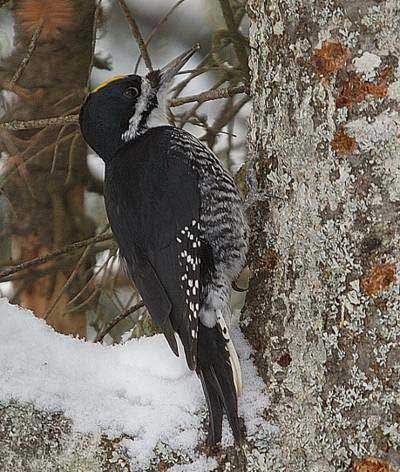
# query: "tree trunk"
47,171
323,309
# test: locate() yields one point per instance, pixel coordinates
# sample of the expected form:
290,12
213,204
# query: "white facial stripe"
141,104
158,115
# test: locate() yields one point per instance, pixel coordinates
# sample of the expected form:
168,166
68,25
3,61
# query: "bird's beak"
168,72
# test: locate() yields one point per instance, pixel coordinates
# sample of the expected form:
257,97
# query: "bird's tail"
219,371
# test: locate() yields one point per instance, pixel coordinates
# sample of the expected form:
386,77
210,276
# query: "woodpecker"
179,223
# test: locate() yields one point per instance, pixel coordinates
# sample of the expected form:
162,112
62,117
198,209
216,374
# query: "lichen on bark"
32,440
328,346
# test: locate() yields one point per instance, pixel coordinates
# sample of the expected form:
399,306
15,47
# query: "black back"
151,195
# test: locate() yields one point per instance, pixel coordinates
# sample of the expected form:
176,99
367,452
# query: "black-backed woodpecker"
179,223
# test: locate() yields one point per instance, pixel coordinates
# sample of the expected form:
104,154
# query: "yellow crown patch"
117,77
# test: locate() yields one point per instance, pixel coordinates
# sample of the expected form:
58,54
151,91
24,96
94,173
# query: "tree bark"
323,309
33,440
46,172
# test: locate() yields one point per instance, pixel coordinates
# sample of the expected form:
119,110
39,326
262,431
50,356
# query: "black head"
124,107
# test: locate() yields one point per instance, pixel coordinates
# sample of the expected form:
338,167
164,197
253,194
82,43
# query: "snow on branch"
139,391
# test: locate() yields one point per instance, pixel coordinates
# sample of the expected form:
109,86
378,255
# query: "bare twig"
36,142
177,90
47,148
210,95
22,92
54,255
15,125
91,279
131,299
237,38
28,55
94,37
67,97
67,119
193,110
71,154
224,118
199,71
116,320
9,142
136,34
34,273
84,303
231,128
56,146
23,173
29,276
67,283
157,28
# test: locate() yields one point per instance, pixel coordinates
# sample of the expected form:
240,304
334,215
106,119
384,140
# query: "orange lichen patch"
386,73
379,90
56,16
379,279
371,464
352,91
343,144
355,90
330,58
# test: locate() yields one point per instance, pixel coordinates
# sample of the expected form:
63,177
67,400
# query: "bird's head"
124,107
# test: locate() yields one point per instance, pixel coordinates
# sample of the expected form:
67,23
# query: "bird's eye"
131,92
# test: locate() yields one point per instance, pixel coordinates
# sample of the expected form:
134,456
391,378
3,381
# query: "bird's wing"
156,224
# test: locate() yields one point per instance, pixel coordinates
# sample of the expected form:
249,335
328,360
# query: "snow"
367,65
140,388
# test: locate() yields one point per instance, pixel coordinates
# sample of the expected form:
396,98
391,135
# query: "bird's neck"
138,125
107,141
111,137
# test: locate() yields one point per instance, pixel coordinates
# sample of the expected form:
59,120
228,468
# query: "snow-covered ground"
139,388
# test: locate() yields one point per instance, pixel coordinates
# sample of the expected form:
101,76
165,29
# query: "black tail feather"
215,372
215,410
